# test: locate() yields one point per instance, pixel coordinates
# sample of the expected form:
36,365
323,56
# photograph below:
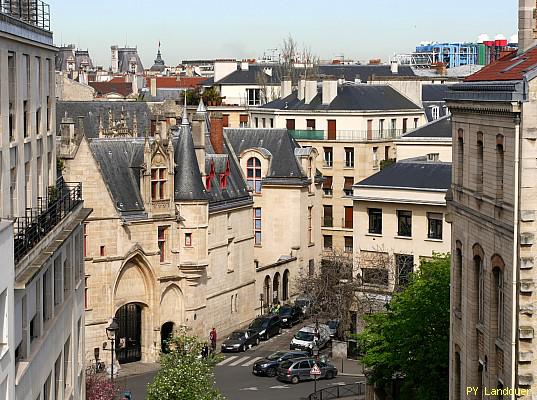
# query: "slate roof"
284,164
412,174
440,128
80,57
351,97
249,76
428,109
91,110
125,54
434,92
104,88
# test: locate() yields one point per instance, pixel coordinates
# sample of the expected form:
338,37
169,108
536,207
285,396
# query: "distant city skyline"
356,30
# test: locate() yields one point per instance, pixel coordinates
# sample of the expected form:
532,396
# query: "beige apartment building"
352,127
492,209
41,221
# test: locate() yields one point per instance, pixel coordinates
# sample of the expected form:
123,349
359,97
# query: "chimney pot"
217,132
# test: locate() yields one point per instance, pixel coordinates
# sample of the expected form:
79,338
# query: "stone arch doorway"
276,288
285,285
266,290
166,332
129,336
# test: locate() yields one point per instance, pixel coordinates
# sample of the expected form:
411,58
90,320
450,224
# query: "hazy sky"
358,29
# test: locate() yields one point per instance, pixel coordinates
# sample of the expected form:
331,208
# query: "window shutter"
327,184
349,181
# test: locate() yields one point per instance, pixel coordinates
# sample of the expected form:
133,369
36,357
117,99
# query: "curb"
347,374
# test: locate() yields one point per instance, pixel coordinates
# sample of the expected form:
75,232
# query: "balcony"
327,222
32,12
347,135
307,134
39,222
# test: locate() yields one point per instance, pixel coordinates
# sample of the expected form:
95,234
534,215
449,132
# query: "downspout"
514,305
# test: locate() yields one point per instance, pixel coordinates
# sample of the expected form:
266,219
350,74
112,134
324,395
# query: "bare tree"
288,57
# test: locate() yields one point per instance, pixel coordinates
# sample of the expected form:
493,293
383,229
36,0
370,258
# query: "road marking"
250,388
253,360
240,360
279,387
223,362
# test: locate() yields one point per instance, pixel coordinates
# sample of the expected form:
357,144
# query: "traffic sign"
315,370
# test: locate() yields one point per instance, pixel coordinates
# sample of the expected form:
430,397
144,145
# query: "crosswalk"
238,361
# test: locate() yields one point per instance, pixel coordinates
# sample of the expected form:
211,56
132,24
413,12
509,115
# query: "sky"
355,29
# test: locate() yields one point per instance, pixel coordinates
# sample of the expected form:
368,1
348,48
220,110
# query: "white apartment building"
45,295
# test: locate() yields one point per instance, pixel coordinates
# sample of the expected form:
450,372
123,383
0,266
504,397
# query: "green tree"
410,340
184,375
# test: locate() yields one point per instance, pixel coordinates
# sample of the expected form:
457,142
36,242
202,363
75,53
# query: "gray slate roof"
124,55
352,97
428,108
440,128
277,142
434,92
90,110
251,76
412,174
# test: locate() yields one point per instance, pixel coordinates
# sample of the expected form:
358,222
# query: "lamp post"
111,331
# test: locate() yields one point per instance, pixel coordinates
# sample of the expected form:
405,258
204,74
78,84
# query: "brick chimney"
526,25
217,132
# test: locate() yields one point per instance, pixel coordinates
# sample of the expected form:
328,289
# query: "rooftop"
511,67
27,19
437,129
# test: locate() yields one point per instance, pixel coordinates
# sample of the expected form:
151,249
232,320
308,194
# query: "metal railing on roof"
51,210
33,12
346,135
307,134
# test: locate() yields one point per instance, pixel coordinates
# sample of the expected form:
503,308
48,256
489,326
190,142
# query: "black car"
290,315
267,326
240,340
269,366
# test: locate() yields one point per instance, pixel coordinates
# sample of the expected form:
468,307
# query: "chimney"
287,87
526,25
310,91
153,87
223,68
330,84
198,135
244,65
217,133
357,79
394,67
301,86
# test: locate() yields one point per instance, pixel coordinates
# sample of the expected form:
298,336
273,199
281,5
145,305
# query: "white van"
305,337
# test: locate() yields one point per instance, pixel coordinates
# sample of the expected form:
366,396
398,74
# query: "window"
86,297
375,220
381,125
328,156
404,265
25,122
161,241
290,124
393,125
3,322
457,390
310,224
375,276
348,244
435,221
347,185
12,83
102,251
256,119
500,302
243,121
310,124
433,157
499,167
375,157
327,242
327,185
272,122
253,97
263,123
347,220
349,157
328,220
478,265
458,284
460,156
435,112
57,281
225,120
416,120
253,174
67,363
188,239
85,230
479,169
158,181
67,274
404,223
405,124
257,226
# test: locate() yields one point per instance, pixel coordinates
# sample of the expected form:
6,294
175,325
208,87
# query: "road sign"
315,370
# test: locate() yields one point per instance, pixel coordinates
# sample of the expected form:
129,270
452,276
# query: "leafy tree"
406,348
184,374
192,97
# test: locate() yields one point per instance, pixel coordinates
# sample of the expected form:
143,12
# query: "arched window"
479,169
458,274
479,282
499,167
158,183
253,174
460,156
498,302
285,284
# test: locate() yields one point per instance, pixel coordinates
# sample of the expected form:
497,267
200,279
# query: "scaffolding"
33,12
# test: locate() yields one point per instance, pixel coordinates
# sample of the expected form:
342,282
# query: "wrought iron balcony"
307,134
33,12
39,222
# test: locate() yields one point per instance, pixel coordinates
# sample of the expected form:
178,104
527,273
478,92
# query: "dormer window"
209,177
224,176
253,174
158,183
435,112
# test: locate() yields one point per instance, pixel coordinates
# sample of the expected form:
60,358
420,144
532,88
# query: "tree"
100,387
184,374
406,348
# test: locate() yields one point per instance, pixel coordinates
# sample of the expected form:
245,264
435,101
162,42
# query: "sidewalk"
137,368
348,367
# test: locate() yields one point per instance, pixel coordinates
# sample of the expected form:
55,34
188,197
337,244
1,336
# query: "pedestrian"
212,337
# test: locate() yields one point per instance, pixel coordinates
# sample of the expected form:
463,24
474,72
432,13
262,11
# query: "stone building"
41,290
492,208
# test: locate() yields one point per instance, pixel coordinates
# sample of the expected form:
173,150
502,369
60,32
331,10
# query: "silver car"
299,369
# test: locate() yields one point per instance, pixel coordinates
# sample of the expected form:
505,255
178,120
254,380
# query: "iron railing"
327,222
336,392
33,12
307,134
51,210
368,134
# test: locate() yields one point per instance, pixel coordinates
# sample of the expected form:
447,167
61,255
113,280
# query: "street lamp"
111,331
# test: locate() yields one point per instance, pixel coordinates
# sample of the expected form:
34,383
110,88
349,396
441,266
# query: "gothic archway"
267,292
166,332
276,288
129,336
285,285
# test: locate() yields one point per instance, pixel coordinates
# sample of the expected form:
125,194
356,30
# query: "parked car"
269,366
267,326
297,370
240,340
305,338
305,302
291,315
333,324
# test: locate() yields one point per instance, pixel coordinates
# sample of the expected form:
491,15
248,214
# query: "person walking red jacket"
212,337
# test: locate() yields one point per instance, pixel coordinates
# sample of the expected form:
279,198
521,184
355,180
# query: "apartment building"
353,128
43,294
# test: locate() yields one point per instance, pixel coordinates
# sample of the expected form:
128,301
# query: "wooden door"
331,129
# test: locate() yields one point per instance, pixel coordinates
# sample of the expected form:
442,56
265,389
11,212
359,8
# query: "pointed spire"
184,119
201,107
